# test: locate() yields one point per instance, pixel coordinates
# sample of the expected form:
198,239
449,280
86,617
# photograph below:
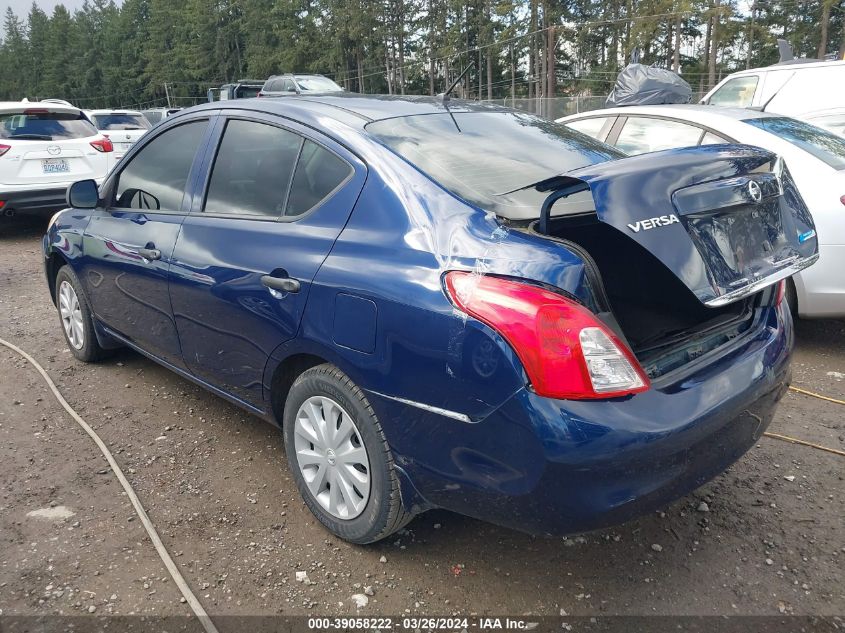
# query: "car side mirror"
83,194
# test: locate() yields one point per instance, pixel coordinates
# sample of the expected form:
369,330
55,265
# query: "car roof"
114,111
796,65
6,106
351,108
699,113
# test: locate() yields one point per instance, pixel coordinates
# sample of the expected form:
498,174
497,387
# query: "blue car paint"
466,432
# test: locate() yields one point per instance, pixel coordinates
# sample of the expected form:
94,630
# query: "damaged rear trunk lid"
726,220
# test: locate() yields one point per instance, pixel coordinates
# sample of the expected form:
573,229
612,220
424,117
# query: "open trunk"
664,324
682,257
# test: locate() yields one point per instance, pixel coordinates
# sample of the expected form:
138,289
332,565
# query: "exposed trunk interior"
665,325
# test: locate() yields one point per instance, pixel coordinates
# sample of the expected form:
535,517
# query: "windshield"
41,125
120,122
312,83
822,144
492,154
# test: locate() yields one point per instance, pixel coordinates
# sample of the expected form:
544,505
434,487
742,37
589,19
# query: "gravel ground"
765,538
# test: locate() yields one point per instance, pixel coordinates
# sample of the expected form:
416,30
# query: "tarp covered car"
645,85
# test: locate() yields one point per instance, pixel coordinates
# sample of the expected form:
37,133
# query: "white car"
794,88
814,157
123,127
832,119
44,147
156,115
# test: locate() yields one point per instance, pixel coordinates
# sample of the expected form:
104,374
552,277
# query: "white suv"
122,127
44,147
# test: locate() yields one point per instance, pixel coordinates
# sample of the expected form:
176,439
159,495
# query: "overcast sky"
21,7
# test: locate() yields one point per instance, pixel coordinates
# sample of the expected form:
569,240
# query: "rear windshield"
121,122
40,125
824,145
483,157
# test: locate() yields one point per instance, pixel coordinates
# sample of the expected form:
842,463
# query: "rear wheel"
339,457
75,317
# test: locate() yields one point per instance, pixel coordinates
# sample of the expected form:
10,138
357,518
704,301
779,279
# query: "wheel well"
54,264
285,375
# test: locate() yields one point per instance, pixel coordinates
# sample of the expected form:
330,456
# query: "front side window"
39,124
737,92
156,176
253,170
641,135
824,145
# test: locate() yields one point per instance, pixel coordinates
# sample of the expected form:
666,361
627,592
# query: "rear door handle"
149,253
282,284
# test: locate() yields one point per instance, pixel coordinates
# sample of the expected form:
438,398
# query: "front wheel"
339,457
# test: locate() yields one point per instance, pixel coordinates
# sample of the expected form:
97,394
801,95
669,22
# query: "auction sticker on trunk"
54,166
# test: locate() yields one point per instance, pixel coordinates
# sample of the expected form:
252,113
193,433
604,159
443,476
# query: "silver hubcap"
332,457
71,315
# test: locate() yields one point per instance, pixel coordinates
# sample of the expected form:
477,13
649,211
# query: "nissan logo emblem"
54,150
754,191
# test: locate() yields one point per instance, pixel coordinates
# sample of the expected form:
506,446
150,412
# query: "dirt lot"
768,539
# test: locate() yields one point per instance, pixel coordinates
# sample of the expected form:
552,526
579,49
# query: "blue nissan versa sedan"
446,304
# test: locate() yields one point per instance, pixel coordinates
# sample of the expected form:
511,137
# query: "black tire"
792,298
90,351
384,513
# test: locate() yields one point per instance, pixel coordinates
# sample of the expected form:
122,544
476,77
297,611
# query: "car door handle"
282,284
149,253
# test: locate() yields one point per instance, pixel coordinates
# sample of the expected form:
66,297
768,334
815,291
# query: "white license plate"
54,166
122,147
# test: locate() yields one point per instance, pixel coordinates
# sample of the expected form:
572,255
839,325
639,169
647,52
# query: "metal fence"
556,107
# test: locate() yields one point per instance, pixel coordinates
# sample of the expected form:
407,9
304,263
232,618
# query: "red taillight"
4,148
780,292
103,145
2,203
33,111
842,199
566,351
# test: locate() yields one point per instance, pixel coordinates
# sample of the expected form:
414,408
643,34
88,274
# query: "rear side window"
318,174
253,170
738,92
824,145
156,176
641,135
590,127
121,122
40,125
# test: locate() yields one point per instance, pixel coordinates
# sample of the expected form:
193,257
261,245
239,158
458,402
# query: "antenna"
776,93
445,96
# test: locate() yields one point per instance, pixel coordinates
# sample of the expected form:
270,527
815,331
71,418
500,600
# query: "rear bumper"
33,202
551,466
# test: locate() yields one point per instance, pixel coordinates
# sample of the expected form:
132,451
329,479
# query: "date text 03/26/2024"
421,623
